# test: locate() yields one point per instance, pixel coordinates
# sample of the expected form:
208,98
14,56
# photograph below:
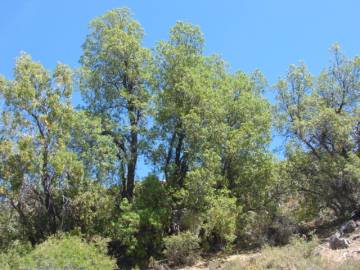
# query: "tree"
184,94
321,116
213,131
246,164
115,75
175,60
38,172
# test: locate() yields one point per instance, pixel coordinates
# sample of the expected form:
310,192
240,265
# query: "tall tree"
321,116
213,127
115,75
39,172
180,89
246,164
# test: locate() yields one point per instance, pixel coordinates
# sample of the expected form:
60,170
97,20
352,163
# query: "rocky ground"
218,262
342,245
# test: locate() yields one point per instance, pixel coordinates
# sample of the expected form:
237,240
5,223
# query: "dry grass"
299,255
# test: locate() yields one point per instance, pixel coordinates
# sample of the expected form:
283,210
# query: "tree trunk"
131,167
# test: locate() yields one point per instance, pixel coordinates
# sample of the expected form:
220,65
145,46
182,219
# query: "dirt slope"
218,262
341,255
323,250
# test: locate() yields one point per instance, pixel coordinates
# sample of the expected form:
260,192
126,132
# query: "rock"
348,227
160,267
355,215
336,242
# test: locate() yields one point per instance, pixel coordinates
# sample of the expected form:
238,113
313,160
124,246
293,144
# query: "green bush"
125,227
153,207
93,209
66,252
220,223
252,227
9,225
10,258
181,248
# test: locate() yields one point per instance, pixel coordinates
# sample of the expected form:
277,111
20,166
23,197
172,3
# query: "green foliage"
152,205
95,150
9,226
93,210
220,221
182,88
321,116
252,227
115,75
126,226
204,129
181,248
39,171
66,252
213,129
11,256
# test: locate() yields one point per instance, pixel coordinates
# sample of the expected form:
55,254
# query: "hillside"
293,256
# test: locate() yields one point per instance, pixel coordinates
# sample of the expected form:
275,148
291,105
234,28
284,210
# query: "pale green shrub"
181,248
65,253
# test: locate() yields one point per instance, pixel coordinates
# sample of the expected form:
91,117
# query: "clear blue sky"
264,34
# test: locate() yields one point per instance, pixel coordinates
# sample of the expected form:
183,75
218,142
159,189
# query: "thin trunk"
180,163
168,157
134,117
32,236
46,183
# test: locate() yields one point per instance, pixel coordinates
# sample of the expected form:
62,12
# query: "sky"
254,34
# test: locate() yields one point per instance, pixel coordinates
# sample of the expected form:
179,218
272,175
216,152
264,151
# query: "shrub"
281,230
92,209
9,226
66,252
153,207
252,227
126,227
181,248
11,257
220,224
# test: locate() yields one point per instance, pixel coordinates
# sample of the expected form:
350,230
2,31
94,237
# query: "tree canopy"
204,130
